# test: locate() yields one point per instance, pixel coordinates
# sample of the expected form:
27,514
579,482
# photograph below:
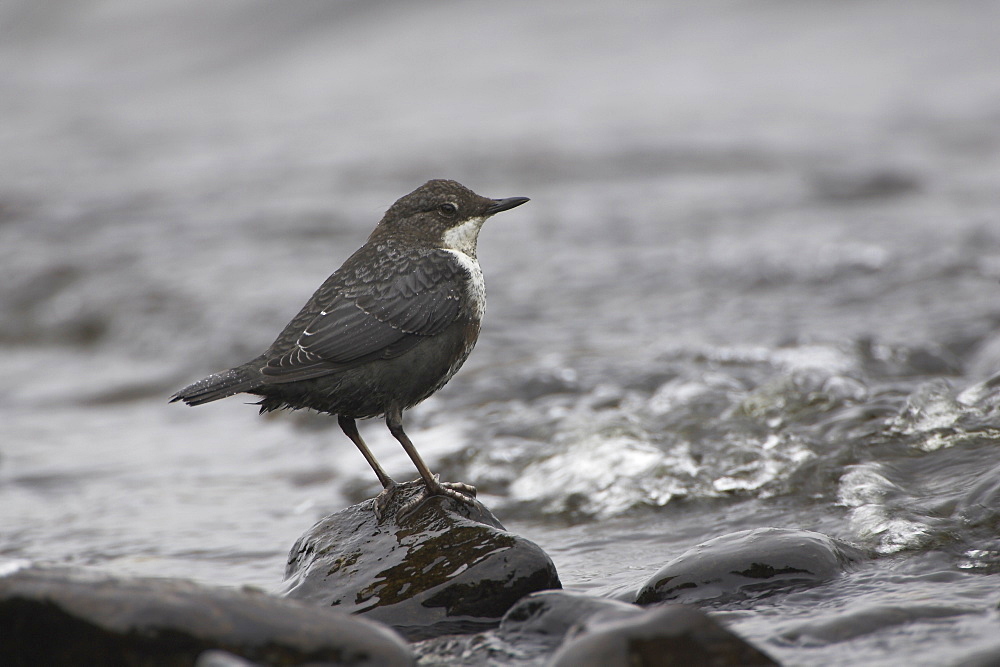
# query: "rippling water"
757,285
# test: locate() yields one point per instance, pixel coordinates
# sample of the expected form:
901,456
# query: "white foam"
12,566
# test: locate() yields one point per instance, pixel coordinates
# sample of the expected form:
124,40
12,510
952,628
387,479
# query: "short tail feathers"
214,387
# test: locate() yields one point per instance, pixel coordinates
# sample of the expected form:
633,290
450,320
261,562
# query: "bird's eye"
448,208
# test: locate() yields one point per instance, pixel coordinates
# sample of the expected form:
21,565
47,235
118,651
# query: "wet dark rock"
66,617
445,568
549,615
668,635
749,564
564,628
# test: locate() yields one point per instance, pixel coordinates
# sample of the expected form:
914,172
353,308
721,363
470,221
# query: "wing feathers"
368,319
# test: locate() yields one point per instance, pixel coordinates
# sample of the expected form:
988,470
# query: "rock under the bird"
447,567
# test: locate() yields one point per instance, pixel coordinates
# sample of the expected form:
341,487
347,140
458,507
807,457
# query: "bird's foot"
384,498
464,493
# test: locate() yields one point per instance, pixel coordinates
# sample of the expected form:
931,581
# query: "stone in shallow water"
445,568
750,563
68,617
528,634
549,615
667,635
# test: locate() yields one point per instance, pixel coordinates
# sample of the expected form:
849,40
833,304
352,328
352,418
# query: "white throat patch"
463,237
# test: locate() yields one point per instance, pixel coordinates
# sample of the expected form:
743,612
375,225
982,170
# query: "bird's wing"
367,320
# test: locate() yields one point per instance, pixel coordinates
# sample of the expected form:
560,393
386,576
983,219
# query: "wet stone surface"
571,628
71,617
547,616
750,564
669,635
444,568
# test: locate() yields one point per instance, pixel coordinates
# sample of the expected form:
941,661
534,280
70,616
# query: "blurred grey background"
177,177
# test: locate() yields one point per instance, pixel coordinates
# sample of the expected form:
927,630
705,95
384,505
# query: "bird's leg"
461,492
389,486
350,428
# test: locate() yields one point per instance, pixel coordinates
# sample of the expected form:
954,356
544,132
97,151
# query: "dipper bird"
388,329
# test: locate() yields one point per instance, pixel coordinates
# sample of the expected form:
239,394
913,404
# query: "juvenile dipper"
385,331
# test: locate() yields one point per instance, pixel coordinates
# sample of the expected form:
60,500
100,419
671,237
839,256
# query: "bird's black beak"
505,204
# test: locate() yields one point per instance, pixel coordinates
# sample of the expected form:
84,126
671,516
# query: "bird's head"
442,214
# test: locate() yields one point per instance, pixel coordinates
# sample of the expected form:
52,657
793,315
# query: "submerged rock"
668,635
548,615
444,568
68,617
750,563
595,631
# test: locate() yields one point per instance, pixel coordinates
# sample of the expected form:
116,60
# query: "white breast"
476,285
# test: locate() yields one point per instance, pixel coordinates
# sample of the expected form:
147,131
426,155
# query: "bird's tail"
214,387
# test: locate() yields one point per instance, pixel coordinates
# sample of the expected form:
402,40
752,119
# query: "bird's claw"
463,493
385,496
